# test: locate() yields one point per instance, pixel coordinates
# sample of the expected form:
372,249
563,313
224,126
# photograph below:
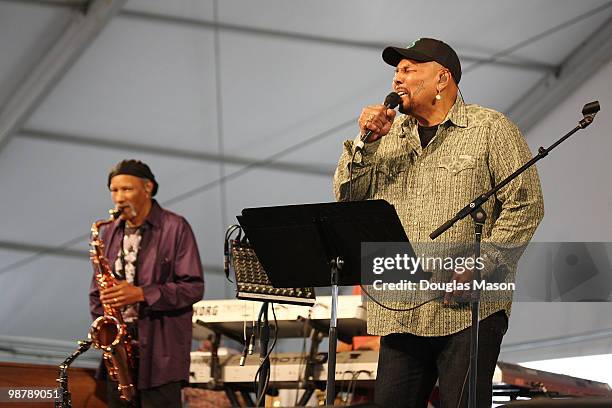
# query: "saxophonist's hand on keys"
122,294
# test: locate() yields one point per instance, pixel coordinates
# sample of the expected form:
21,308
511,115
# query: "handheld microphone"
391,102
591,108
589,111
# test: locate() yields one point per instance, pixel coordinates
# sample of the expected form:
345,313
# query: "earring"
438,97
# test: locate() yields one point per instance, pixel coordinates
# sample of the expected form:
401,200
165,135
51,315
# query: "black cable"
397,310
353,385
302,357
227,250
231,229
351,164
266,357
348,386
258,372
467,371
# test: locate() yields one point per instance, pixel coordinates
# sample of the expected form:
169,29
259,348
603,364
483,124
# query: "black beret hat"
133,168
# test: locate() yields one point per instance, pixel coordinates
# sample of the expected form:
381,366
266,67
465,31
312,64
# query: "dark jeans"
409,365
164,396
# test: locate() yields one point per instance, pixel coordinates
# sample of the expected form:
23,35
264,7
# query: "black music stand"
318,245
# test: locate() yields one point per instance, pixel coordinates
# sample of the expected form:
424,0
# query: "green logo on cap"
413,43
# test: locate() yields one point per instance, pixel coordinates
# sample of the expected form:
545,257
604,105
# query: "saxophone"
108,332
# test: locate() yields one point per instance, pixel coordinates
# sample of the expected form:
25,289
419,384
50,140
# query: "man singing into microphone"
429,162
155,259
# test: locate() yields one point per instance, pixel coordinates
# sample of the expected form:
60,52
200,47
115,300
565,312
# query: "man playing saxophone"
155,260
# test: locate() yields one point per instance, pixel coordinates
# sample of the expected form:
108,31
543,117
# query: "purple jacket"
170,273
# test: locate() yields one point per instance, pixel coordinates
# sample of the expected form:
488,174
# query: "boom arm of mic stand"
474,209
480,200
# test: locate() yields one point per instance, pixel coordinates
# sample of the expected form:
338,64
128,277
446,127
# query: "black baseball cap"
134,168
425,50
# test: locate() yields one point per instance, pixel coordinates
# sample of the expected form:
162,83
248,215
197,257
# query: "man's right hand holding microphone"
375,120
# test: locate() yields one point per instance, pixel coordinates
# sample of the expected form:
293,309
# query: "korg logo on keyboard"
207,311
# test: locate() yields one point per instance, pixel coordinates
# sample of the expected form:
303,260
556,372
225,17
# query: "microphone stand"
474,209
264,355
65,400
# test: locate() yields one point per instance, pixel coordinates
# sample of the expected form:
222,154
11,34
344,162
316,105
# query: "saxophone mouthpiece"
114,213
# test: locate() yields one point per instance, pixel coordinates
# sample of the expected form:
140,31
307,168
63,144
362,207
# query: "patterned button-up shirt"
474,148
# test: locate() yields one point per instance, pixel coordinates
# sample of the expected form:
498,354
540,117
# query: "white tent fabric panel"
492,25
66,188
186,8
8,257
485,84
262,187
21,45
46,299
52,195
314,85
575,180
577,175
204,214
277,92
141,82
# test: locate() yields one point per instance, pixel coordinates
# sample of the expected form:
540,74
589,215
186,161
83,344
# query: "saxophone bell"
106,332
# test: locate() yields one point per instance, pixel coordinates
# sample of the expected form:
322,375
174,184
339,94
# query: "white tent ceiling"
233,103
